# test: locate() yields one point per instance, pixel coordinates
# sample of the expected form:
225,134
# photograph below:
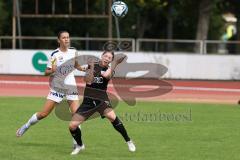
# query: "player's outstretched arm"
79,67
89,73
117,60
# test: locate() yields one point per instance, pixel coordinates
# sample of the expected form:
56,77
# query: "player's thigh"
73,104
109,114
47,108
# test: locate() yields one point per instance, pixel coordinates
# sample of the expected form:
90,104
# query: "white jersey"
65,66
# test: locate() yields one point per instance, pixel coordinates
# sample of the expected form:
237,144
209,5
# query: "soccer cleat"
77,149
131,146
21,130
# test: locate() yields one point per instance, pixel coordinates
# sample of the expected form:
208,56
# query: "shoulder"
54,52
72,49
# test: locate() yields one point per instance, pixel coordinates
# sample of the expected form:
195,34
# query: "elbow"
88,80
46,73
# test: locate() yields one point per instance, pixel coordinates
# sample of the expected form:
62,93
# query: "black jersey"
95,94
99,82
97,89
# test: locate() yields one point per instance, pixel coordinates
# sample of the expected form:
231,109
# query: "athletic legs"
47,109
118,125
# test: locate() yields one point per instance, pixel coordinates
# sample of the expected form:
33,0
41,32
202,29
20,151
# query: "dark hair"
60,33
109,52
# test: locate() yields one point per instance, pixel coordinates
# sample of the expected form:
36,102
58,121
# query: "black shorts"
90,106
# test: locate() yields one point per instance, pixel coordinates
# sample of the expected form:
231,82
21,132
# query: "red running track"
177,90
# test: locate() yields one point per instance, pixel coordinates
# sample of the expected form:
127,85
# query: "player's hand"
54,68
91,62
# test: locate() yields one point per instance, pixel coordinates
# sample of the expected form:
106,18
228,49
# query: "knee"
73,126
111,116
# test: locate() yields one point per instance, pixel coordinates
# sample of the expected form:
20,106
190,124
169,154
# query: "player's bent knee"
42,115
110,116
73,125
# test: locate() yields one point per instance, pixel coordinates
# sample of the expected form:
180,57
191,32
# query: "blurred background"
192,39
205,27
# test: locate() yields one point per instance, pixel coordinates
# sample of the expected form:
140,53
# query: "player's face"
106,58
64,40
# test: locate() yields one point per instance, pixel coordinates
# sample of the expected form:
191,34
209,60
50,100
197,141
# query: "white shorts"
58,97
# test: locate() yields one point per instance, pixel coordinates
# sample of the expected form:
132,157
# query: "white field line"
129,86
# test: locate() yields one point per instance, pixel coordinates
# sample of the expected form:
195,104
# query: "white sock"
33,120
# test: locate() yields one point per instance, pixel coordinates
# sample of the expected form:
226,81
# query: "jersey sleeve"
104,70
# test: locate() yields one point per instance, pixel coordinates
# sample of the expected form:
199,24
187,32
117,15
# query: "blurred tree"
151,13
3,16
208,10
205,8
185,19
216,23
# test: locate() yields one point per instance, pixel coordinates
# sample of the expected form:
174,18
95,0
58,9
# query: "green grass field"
161,131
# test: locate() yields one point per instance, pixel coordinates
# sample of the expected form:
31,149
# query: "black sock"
117,124
76,134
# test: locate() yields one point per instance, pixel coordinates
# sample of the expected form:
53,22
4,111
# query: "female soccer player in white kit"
62,62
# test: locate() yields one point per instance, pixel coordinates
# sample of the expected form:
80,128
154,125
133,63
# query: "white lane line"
130,86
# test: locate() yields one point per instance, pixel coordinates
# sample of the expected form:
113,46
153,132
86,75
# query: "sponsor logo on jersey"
98,80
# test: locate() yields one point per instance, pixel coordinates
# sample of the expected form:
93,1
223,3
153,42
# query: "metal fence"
29,42
169,45
221,47
128,44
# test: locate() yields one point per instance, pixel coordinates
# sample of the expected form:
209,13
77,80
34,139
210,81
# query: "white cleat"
78,149
131,146
21,130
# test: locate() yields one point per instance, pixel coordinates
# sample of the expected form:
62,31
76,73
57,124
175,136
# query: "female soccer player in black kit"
96,99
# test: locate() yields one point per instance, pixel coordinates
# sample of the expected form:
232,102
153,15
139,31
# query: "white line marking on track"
129,86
